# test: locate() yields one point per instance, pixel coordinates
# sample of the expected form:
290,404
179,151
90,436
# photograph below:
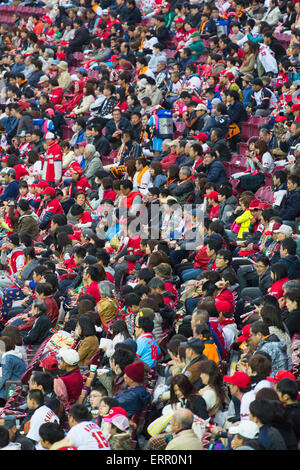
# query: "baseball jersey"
147,349
88,436
42,415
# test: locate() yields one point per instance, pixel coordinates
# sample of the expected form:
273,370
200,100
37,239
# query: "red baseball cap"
47,19
115,411
295,107
281,374
114,57
245,334
82,144
212,195
275,226
76,236
75,168
201,136
179,20
42,184
254,205
4,158
49,190
229,75
49,363
240,379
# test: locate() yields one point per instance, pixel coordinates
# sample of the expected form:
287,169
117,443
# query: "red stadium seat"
265,194
238,163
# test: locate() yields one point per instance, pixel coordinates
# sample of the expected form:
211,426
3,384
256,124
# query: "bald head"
182,419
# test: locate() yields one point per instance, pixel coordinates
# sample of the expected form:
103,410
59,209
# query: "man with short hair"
193,356
41,326
288,257
261,341
41,414
85,434
15,437
11,190
184,437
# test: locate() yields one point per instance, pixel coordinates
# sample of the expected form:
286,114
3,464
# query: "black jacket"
293,413
81,38
132,16
39,331
102,145
223,150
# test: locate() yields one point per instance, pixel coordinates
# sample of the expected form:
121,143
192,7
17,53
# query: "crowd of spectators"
150,225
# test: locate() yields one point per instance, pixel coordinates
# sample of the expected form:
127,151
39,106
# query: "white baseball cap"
69,356
49,135
285,229
201,107
121,422
247,429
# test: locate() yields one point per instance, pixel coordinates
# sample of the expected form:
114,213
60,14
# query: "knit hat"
146,312
63,65
14,239
163,269
135,371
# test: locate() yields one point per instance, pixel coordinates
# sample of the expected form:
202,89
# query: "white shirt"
88,436
42,415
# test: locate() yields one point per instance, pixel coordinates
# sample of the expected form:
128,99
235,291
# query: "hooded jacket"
215,171
13,367
293,266
277,350
227,206
28,223
291,207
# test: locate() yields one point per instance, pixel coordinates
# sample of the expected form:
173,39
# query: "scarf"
227,321
141,174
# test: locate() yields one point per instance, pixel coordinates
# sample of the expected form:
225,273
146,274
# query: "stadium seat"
265,194
238,163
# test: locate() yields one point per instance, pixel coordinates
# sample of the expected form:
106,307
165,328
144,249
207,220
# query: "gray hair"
90,148
184,417
187,171
41,305
290,285
106,288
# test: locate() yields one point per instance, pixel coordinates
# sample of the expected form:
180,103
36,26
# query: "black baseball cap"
195,343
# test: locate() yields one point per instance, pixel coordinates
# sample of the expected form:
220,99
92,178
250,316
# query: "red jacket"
201,259
168,160
74,382
52,163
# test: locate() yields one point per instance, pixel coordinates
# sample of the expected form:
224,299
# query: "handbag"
235,227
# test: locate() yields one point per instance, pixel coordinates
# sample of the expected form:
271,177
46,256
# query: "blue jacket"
13,367
134,400
291,208
216,172
11,191
277,351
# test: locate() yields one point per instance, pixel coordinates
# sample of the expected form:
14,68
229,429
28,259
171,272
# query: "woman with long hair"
86,101
158,178
213,392
172,178
88,341
273,318
251,50
279,276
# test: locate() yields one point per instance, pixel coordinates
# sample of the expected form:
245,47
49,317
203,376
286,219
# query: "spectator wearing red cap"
239,384
135,396
52,160
212,199
120,438
50,207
